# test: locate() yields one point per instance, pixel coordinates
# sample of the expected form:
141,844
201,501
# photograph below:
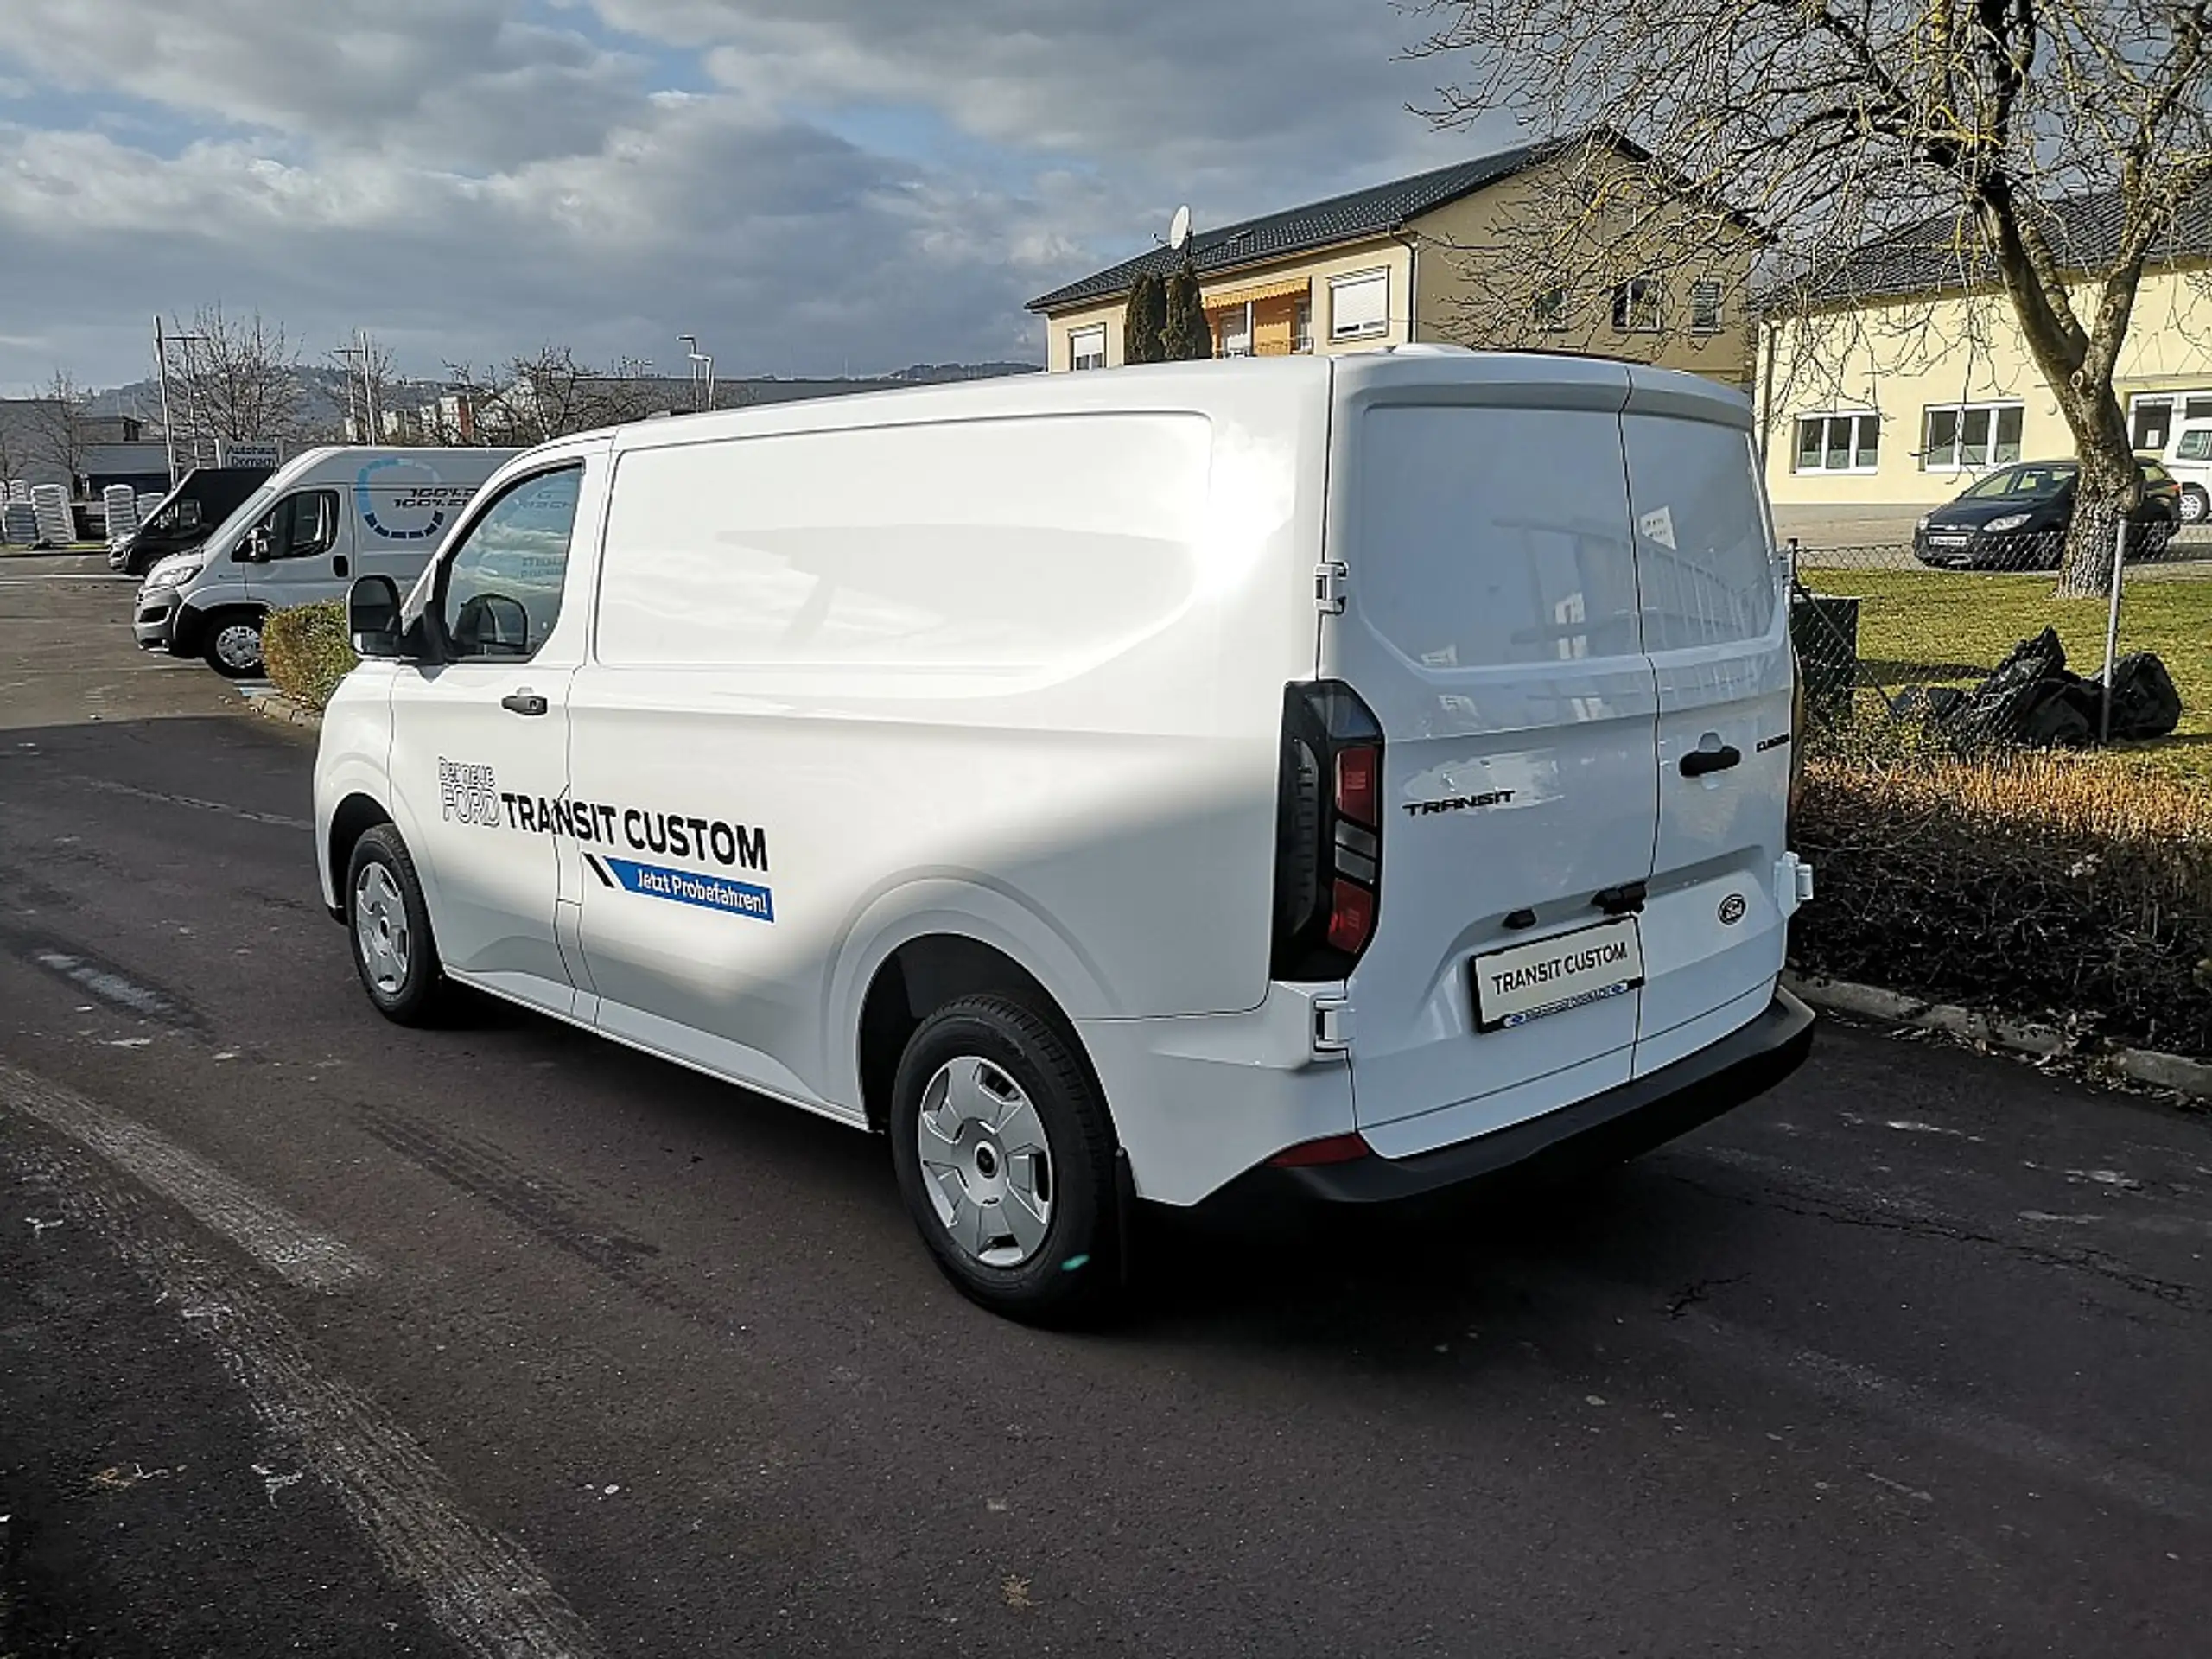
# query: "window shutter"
1359,305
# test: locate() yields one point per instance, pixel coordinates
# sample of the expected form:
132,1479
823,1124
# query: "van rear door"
1716,631
1491,623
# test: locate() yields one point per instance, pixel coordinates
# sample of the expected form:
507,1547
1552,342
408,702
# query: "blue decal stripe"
689,888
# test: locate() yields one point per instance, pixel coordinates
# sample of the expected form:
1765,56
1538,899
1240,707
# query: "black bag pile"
2033,699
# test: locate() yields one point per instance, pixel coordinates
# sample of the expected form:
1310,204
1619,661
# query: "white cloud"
472,177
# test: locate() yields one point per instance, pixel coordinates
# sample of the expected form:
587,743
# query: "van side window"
298,527
499,595
303,525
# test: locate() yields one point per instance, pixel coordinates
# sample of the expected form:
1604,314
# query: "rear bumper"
1603,1129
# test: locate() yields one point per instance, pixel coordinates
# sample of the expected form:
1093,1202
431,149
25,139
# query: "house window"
1839,443
2153,422
1236,332
1958,437
1359,305
1636,306
1705,307
1301,327
1551,310
1087,347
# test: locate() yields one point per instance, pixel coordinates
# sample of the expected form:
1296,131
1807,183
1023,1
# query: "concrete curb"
2042,1040
275,705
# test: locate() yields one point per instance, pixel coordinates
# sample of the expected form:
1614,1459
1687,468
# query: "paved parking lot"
319,1335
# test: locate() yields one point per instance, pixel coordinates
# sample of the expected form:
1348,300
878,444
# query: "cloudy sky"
805,184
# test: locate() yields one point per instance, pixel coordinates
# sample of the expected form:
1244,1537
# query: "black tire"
2195,504
219,646
1075,1272
423,995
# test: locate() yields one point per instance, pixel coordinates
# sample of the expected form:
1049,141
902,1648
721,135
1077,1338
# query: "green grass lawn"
1943,627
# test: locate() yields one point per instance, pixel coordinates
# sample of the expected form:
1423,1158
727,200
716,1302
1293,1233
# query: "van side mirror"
373,617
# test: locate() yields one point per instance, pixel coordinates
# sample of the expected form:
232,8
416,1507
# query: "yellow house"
1898,376
1472,253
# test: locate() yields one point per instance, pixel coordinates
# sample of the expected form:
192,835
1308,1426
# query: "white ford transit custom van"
1360,774
324,518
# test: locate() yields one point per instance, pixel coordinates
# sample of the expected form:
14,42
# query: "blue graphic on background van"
405,500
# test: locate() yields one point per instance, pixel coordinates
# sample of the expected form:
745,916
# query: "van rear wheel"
233,647
1005,1156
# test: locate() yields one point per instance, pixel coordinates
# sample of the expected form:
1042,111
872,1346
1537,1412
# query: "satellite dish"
1178,229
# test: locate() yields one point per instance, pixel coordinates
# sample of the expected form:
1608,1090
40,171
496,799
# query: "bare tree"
236,376
58,425
12,453
549,394
2056,143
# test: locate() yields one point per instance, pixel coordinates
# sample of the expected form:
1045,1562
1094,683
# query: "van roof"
348,458
1188,386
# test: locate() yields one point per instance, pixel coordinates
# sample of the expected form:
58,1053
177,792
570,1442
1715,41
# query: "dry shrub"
2065,884
307,650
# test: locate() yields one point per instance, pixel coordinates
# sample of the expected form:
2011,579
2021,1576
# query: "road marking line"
109,986
114,788
304,1254
480,1587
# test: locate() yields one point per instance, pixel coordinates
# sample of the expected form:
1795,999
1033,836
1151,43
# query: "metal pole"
192,393
368,387
168,432
2112,625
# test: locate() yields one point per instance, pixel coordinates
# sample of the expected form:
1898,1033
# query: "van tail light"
1328,832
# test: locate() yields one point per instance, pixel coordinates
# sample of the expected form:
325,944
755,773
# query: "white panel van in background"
317,523
2189,459
1356,776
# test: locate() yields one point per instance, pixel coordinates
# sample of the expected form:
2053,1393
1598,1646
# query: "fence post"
2112,628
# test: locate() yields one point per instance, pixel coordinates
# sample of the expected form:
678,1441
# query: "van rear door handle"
1698,762
524,702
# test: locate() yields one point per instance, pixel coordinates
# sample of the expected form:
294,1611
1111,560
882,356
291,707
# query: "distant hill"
323,391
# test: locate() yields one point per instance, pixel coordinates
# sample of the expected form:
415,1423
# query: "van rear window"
1703,552
1494,536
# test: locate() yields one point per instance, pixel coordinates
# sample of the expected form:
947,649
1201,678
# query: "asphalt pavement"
321,1335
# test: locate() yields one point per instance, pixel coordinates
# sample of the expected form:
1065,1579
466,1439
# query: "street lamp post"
702,373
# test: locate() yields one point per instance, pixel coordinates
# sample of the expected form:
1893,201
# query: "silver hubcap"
985,1162
2193,506
238,643
380,928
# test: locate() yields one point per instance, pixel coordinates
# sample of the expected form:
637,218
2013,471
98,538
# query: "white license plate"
1948,541
1528,981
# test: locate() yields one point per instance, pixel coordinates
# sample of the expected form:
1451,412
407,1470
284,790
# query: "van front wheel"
233,647
1005,1156
393,950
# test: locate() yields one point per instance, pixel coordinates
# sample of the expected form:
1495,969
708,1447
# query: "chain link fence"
1946,628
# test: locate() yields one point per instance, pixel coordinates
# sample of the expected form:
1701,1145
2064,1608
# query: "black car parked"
2017,518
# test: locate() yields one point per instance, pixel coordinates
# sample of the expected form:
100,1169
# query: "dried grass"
2059,884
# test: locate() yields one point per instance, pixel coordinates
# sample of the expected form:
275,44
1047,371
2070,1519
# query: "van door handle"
1698,762
338,567
524,702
